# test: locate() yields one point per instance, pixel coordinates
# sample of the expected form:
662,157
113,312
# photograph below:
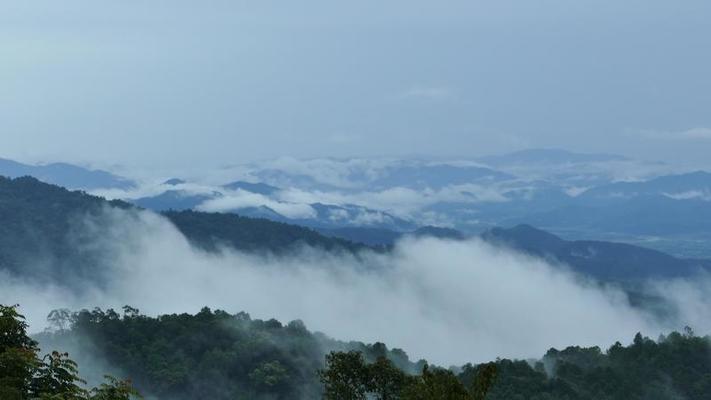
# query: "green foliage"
485,378
385,380
18,355
57,376
114,389
674,367
216,355
347,376
269,374
436,384
211,354
24,376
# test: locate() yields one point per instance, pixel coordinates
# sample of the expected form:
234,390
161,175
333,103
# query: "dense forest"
677,366
217,355
211,354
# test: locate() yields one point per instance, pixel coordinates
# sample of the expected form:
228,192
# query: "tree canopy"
217,355
24,375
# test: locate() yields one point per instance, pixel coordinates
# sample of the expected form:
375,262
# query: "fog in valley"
450,302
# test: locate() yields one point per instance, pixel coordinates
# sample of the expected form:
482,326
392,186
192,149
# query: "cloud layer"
449,302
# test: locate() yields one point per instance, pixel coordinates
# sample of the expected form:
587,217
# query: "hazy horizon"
167,84
209,170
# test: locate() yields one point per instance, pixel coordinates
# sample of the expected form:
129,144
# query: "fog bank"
449,302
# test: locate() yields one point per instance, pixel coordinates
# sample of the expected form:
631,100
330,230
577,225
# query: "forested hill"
674,367
209,230
606,261
38,228
215,355
42,231
210,355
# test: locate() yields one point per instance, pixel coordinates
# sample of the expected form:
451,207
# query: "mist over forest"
409,200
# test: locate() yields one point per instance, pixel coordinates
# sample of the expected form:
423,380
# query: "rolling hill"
605,261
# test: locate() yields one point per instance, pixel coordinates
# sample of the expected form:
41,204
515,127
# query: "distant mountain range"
386,237
42,235
605,261
580,195
693,185
373,174
436,176
176,200
577,195
547,157
66,175
665,206
237,200
259,188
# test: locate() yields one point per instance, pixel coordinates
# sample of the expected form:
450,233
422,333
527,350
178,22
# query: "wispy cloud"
691,194
238,199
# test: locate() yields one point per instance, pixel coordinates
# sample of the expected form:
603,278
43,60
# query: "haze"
449,302
158,83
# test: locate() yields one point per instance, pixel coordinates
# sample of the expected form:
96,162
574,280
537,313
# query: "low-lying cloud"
237,199
450,302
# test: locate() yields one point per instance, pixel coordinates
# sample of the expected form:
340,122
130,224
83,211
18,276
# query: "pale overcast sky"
176,83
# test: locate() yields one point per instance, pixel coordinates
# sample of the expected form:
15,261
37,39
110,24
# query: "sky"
173,83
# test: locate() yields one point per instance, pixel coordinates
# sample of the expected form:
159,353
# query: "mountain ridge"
67,175
607,261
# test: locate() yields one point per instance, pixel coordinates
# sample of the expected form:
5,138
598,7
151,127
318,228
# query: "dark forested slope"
209,230
219,356
606,261
43,231
674,367
209,355
40,228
